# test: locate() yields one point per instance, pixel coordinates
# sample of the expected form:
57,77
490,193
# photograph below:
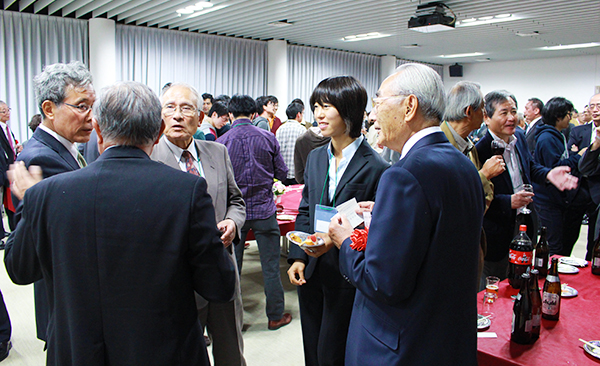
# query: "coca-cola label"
596,262
550,303
520,258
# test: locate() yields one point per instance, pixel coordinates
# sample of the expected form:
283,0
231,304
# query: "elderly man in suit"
178,149
122,245
426,220
65,96
509,195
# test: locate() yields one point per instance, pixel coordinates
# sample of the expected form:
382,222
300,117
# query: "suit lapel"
209,167
59,148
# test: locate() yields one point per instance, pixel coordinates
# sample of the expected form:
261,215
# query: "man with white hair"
416,279
122,246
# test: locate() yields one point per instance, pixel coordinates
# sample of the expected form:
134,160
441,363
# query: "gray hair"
424,83
128,113
463,95
184,85
52,83
493,98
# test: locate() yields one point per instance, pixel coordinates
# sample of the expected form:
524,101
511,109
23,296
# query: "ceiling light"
365,36
204,4
534,33
482,59
469,20
207,10
570,46
185,11
280,23
414,45
490,20
458,55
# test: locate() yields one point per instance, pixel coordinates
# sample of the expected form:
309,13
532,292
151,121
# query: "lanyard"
325,184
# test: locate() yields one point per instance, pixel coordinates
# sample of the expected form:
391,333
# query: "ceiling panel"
323,23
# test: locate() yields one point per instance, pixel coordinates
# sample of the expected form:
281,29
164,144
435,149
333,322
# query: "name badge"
323,215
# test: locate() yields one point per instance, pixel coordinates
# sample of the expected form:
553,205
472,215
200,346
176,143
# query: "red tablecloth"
559,340
289,202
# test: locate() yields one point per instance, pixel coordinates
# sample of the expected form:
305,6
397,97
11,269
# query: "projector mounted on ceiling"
432,18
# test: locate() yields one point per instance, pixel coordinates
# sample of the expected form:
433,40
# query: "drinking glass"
524,209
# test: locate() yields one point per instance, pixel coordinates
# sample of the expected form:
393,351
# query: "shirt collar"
512,140
416,137
177,151
241,121
464,145
66,143
349,151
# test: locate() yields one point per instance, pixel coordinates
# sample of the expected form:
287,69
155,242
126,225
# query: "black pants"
5,328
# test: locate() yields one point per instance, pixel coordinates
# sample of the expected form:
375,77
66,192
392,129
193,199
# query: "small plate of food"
568,291
572,261
305,240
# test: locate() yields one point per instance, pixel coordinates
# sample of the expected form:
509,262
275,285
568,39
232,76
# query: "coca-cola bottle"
536,305
522,316
520,256
552,292
541,254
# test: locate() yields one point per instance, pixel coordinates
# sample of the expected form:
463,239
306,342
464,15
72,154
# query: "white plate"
302,236
590,350
568,291
567,269
572,261
483,323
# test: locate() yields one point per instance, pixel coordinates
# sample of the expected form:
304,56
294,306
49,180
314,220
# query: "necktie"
10,140
189,163
81,160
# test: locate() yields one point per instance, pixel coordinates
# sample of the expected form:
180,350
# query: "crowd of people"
129,213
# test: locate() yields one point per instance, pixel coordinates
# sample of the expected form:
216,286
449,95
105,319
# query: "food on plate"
295,238
310,240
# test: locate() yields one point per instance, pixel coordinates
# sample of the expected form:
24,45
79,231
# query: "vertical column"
388,66
103,59
277,74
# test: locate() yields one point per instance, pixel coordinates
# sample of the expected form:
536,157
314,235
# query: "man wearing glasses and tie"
65,95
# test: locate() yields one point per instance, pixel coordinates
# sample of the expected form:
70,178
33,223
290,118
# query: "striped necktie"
81,160
186,156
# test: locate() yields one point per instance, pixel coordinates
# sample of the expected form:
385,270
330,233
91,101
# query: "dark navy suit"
499,220
54,158
417,278
326,298
122,245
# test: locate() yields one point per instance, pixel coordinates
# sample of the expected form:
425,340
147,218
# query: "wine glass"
497,147
526,188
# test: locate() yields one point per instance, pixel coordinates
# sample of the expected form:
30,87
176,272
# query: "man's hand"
320,250
296,273
339,229
582,151
561,178
365,206
21,179
521,199
596,144
227,227
493,167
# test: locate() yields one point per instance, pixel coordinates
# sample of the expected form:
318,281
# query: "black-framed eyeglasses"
82,108
185,110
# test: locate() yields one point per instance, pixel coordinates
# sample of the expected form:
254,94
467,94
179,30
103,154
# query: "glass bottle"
541,254
522,315
536,305
596,258
552,291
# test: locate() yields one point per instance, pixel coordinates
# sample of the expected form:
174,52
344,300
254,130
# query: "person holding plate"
346,168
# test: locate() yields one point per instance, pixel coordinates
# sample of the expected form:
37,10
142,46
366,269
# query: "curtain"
307,66
213,64
31,42
438,68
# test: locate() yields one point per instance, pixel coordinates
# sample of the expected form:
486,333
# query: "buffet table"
559,340
287,209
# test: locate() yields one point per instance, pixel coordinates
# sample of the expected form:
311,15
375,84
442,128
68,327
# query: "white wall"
574,78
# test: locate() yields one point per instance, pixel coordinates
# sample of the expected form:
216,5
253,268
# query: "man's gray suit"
224,320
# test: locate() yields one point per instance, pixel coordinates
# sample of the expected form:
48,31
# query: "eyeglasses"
377,101
5,110
186,110
82,108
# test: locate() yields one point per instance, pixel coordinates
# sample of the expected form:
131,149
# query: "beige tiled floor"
262,347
